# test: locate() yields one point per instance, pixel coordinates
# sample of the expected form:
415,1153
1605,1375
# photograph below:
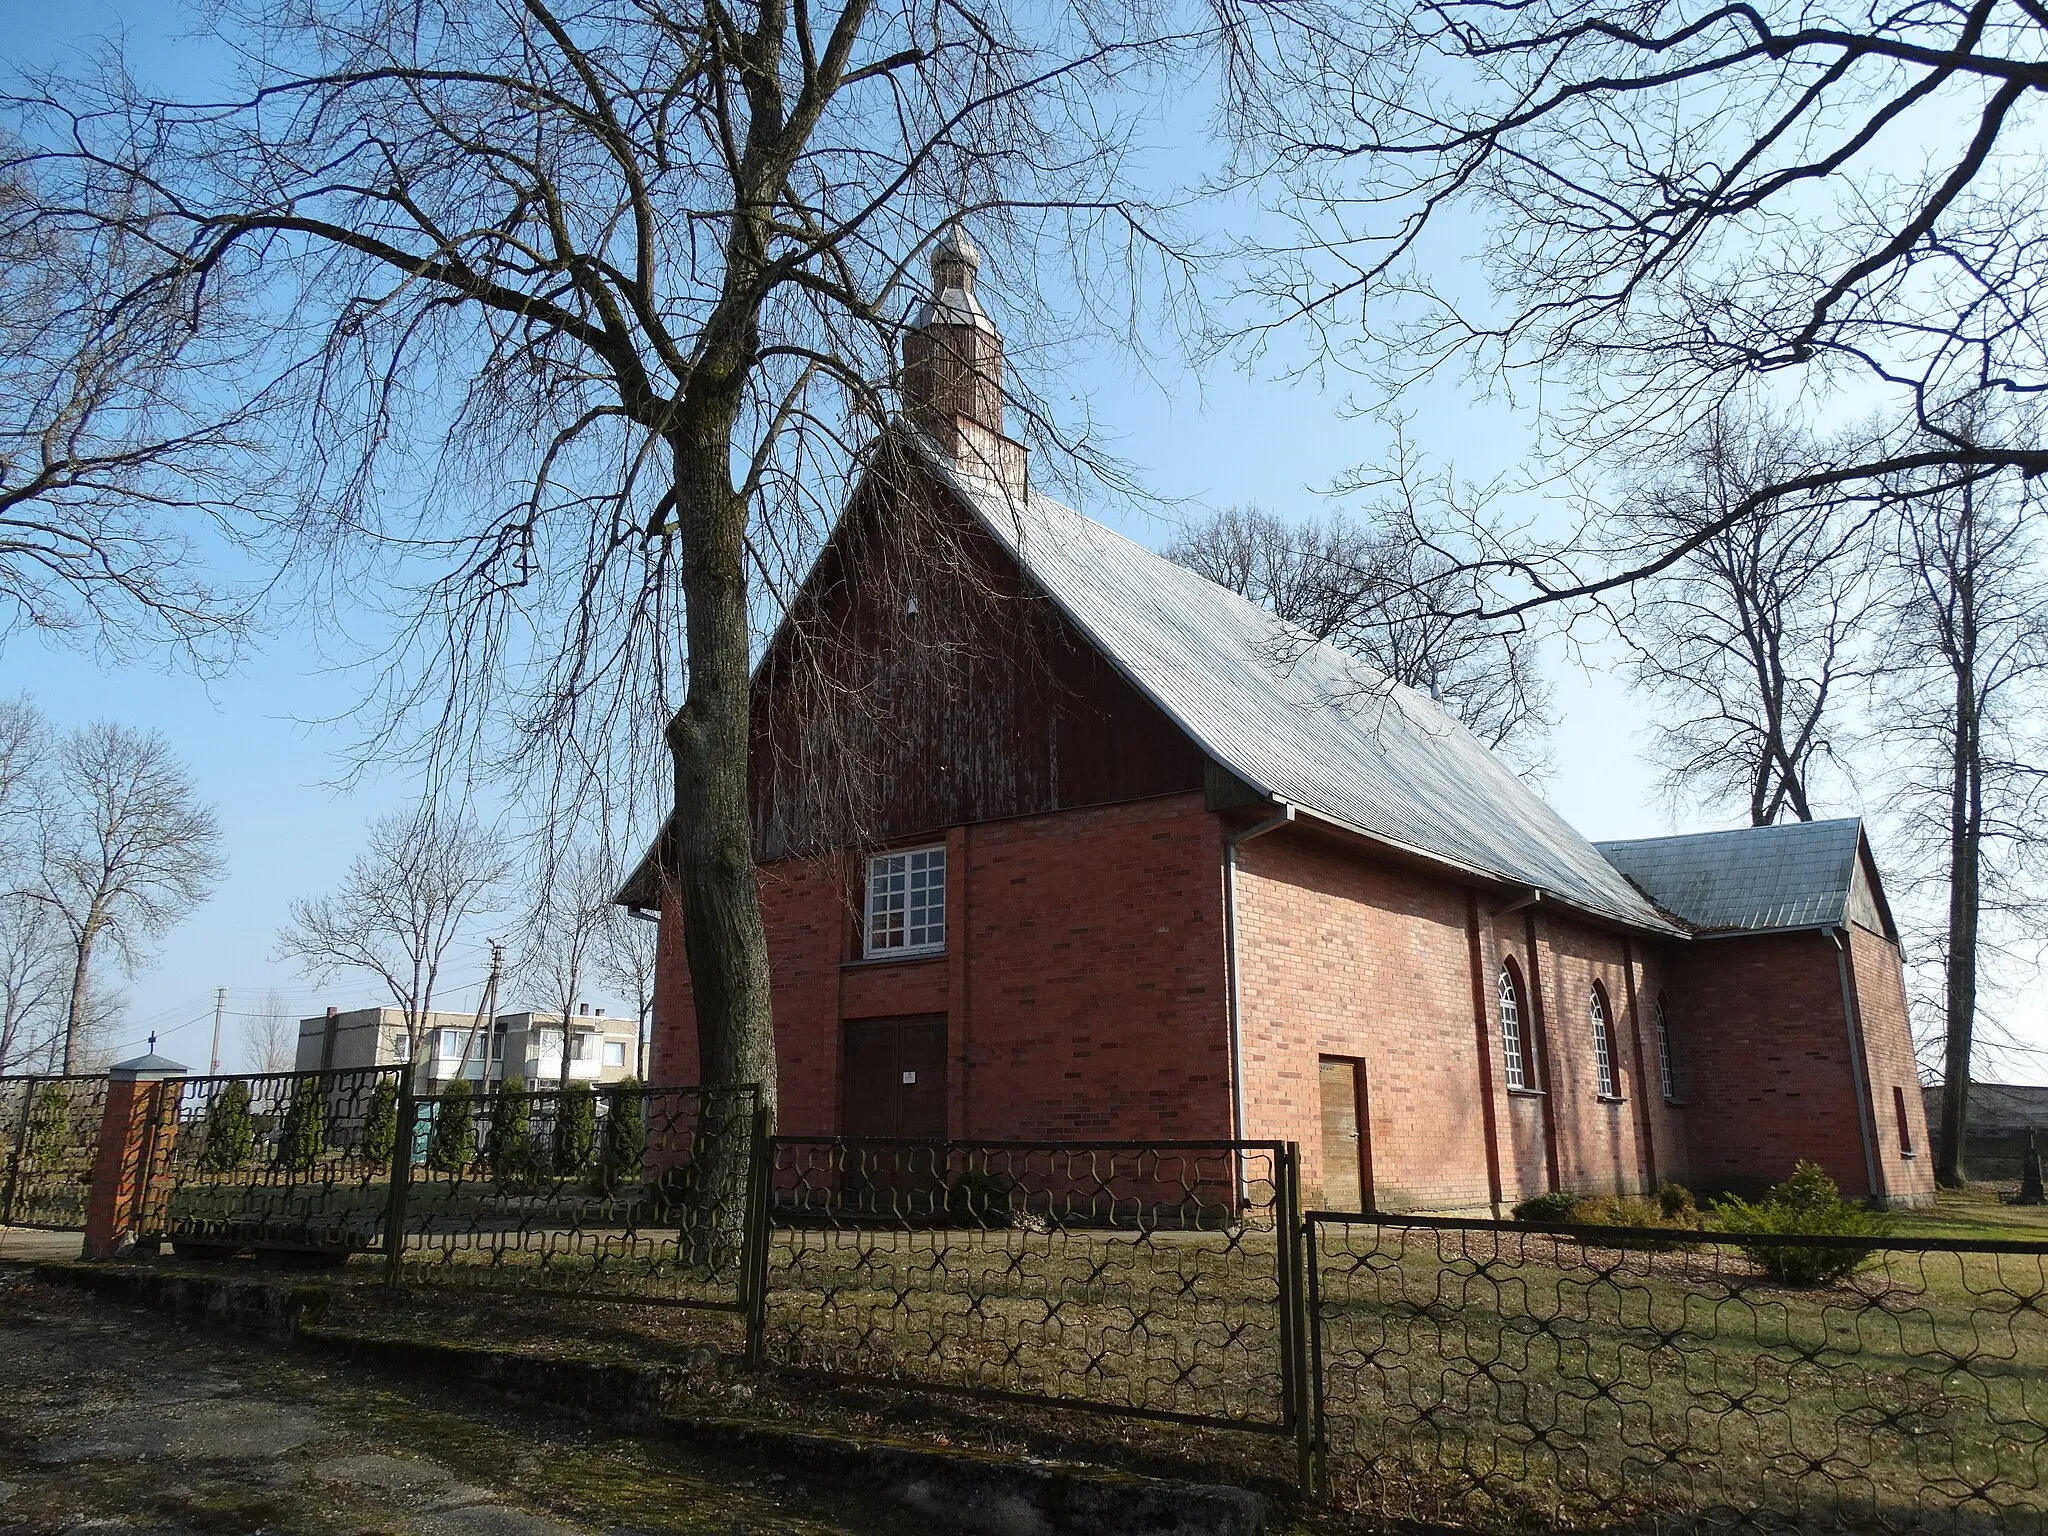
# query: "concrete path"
116,1422
35,1243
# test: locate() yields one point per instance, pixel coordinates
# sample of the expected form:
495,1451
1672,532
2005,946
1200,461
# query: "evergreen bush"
452,1145
508,1144
50,1132
575,1129
624,1140
380,1123
303,1136
1806,1205
230,1131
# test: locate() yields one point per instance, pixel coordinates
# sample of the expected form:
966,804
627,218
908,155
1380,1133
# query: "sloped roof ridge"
1747,879
1295,718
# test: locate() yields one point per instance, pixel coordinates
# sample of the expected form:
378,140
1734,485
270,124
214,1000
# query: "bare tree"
622,285
31,983
626,961
1752,639
1391,592
125,850
1671,205
1963,684
405,901
567,928
118,482
270,1036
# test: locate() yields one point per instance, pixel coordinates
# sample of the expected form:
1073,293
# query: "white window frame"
611,1046
1603,1047
901,919
1664,1076
1513,1043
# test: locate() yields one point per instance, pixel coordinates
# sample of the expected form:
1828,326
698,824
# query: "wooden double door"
896,1077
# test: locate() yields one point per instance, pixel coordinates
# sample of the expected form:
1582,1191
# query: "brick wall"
1880,983
1342,957
1763,1060
1083,983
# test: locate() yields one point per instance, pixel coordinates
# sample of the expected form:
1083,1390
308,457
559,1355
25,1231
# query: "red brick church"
1143,862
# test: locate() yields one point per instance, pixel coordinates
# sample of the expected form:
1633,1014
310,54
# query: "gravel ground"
129,1423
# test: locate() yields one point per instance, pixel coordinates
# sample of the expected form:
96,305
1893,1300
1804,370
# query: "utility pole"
220,1007
486,1010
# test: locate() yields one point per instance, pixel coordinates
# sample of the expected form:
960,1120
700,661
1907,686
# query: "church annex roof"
1800,874
1293,718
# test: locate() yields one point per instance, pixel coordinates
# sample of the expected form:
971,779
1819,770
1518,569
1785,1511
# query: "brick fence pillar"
137,1101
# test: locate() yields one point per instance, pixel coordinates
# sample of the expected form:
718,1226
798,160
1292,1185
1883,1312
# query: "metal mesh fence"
1141,1279
50,1138
274,1160
630,1192
1591,1378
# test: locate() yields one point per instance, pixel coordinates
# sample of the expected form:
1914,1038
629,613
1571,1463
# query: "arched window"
1512,1051
1664,1051
1603,1047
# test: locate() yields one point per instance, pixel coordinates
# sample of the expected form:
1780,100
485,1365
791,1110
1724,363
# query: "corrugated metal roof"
1794,875
1296,719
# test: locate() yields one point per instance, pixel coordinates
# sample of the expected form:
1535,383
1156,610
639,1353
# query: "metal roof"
1794,875
1292,717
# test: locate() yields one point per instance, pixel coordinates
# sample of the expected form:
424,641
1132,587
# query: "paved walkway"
34,1243
124,1422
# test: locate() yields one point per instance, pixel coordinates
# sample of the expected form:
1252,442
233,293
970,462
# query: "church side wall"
1344,958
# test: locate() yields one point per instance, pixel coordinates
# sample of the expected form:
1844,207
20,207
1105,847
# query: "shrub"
625,1138
230,1132
452,1145
303,1136
978,1198
380,1124
1552,1210
575,1129
1806,1205
508,1144
1678,1205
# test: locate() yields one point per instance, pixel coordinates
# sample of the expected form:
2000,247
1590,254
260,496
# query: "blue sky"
251,739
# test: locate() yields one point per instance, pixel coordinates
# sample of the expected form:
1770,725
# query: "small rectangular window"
1905,1125
907,902
615,1053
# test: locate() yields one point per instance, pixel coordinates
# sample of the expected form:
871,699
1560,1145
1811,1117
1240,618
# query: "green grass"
1976,1213
1525,1380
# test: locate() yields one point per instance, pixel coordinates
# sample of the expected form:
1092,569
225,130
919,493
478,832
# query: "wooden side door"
1347,1143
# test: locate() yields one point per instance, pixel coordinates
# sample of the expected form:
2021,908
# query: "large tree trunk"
81,979
1964,847
723,937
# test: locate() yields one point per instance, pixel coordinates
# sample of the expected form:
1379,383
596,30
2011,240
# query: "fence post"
1294,1369
1315,1475
14,1157
759,1215
127,1145
406,1134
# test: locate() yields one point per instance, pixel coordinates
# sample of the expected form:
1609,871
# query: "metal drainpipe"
1230,847
1859,1072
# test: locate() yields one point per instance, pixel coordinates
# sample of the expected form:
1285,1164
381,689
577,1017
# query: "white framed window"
907,902
401,1046
451,1044
1664,1076
1511,1048
1603,1047
615,1053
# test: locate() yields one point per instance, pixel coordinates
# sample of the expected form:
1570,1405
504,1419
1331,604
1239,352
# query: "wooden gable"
921,682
